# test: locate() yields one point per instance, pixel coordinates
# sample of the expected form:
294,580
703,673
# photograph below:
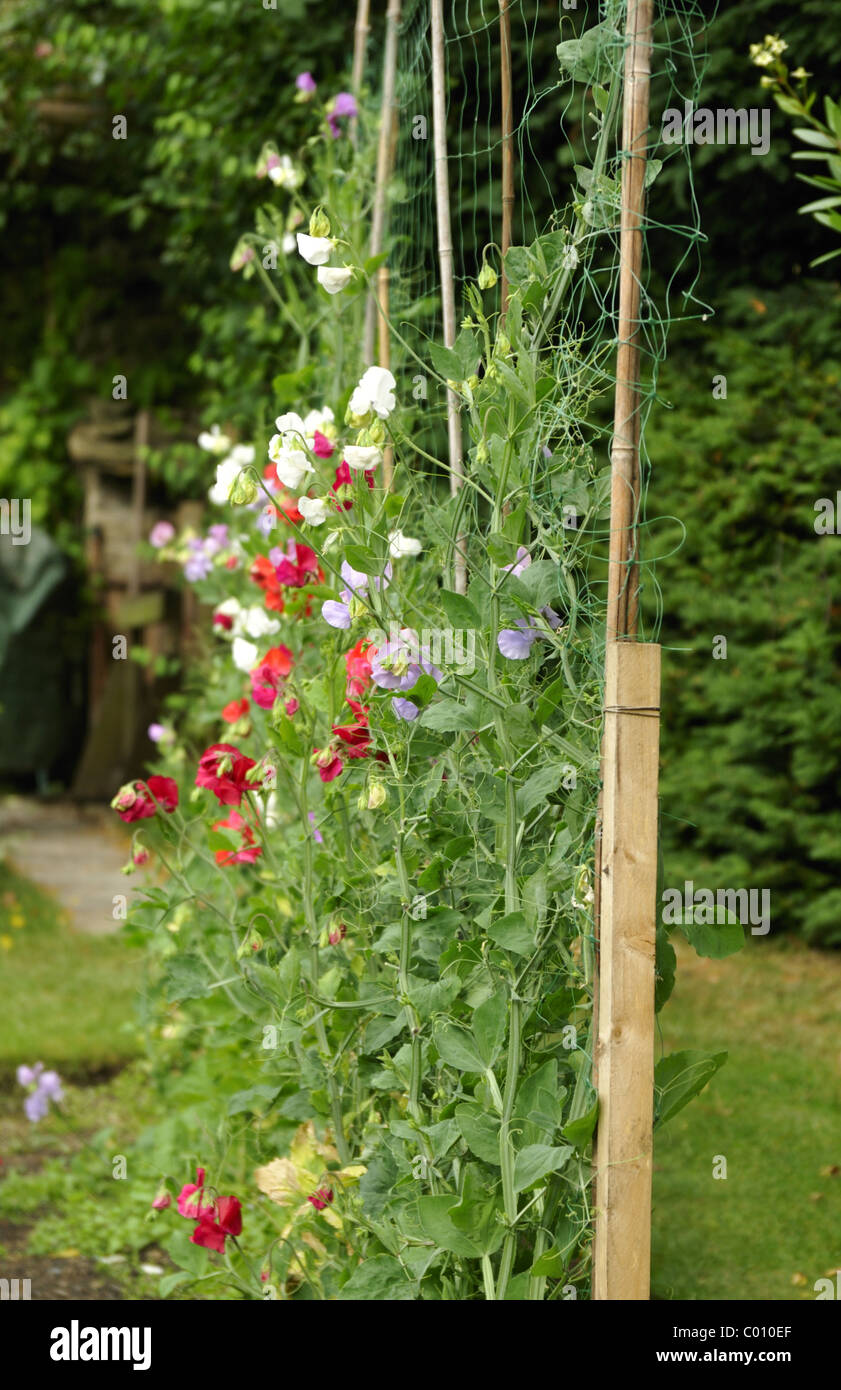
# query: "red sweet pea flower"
189,1199
249,853
328,762
237,709
223,770
321,1197
268,676
356,736
223,620
321,445
343,486
140,800
297,566
262,572
358,666
212,1233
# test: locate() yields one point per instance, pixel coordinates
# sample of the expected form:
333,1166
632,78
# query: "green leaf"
363,560
538,788
476,1213
480,1131
588,58
513,933
193,1258
580,1131
458,610
186,978
445,362
541,582
815,137
245,1102
435,1222
679,1077
378,1279
536,1161
666,963
450,716
714,940
489,1023
457,1048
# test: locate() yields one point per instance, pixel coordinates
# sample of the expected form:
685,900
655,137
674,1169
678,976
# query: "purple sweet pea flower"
197,567
266,521
404,709
305,82
515,642
338,612
343,105
156,732
47,1086
335,613
399,665
521,563
219,534
161,534
316,833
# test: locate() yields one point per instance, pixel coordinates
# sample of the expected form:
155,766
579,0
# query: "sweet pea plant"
373,811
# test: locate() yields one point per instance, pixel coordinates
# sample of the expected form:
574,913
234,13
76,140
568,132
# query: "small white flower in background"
400,545
284,174
214,441
362,455
255,622
334,279
244,654
314,510
322,420
374,392
230,608
315,250
288,243
569,259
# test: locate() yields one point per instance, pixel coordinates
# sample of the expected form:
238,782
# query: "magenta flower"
344,105
161,534
305,82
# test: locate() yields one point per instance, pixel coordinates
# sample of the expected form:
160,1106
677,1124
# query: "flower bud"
162,1199
376,796
244,489
487,277
319,223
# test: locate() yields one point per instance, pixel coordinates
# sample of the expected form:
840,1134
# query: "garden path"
76,853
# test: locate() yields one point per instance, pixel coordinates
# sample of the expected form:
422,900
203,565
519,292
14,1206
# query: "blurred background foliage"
117,256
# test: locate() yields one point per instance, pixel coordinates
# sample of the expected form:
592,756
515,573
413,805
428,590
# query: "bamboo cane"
385,159
507,142
447,270
360,39
384,355
626,843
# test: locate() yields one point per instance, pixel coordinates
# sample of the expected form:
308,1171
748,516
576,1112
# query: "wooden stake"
385,160
384,355
360,39
622,596
626,828
625,1048
507,141
447,271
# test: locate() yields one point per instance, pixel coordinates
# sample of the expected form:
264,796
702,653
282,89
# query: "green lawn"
69,999
774,1225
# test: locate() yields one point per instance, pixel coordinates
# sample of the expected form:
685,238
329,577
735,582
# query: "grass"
69,998
774,1225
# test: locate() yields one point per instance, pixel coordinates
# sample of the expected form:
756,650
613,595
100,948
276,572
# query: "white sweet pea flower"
214,441
292,464
374,392
315,249
284,174
314,510
227,473
255,622
292,429
230,608
334,279
322,420
400,545
288,243
365,456
244,654
243,454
